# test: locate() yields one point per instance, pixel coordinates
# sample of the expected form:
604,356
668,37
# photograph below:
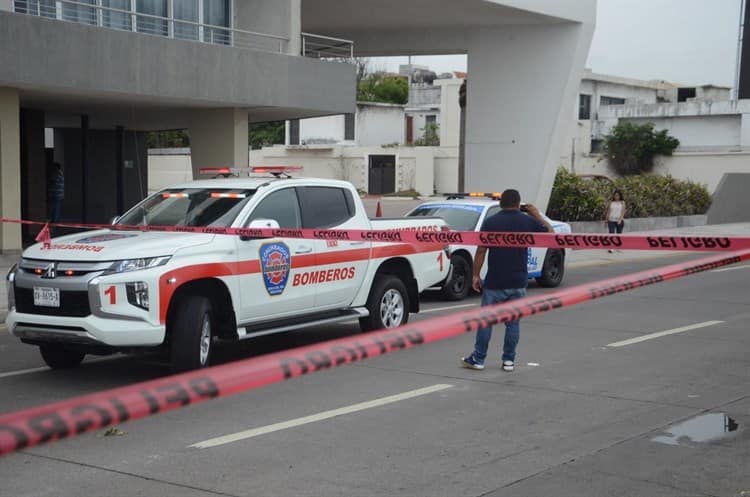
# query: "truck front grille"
72,304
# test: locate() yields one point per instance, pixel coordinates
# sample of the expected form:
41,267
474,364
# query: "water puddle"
703,428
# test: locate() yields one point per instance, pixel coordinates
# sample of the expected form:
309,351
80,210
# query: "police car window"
324,207
458,218
492,211
282,206
189,207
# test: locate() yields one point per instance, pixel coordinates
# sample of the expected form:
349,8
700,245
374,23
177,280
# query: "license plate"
46,297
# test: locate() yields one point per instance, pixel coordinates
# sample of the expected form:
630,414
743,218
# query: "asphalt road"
577,417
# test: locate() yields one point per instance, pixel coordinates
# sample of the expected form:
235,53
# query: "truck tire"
388,304
191,334
459,285
60,357
553,269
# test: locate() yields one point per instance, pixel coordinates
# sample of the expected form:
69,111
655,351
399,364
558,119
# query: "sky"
684,41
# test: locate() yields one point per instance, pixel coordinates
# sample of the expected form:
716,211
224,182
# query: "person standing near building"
55,192
616,214
507,274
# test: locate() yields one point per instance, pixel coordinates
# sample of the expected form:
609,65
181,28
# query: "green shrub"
630,147
577,199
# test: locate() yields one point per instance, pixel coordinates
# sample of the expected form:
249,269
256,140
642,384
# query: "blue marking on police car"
466,207
275,264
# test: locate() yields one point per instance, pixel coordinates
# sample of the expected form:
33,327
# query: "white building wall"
699,132
450,112
380,125
327,129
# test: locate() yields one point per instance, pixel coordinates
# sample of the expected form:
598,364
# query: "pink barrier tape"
435,235
78,415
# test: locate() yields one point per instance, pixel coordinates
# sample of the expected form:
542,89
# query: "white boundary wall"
424,169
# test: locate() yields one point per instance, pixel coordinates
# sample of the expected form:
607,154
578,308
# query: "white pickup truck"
107,291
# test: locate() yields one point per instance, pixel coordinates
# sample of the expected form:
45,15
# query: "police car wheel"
552,270
60,357
388,304
191,334
458,287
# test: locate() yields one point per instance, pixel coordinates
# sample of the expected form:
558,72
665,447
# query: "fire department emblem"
275,266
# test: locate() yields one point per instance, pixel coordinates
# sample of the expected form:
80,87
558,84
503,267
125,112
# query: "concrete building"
102,73
149,65
714,131
372,124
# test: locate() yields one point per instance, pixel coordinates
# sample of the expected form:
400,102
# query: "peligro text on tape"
71,417
487,239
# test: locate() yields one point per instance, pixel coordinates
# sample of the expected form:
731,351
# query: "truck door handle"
303,250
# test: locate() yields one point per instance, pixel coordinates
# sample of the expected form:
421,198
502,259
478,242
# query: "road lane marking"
263,430
659,334
730,268
438,309
20,372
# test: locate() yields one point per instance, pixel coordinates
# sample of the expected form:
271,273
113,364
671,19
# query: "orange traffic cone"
378,211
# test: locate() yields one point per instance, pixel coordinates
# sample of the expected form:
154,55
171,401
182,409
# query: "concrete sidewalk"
577,258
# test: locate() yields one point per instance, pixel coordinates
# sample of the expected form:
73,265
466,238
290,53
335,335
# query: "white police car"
467,212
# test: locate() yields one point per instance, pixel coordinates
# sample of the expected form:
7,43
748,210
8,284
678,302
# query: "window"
189,207
186,10
430,120
584,107
117,20
325,207
348,126
79,13
149,23
597,146
458,217
282,206
611,101
683,94
492,211
216,13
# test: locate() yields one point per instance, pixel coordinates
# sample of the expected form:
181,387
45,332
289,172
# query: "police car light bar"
228,195
174,195
494,195
276,170
221,171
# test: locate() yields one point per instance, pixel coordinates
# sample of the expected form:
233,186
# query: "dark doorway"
382,177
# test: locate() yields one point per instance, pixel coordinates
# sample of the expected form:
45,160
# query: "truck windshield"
458,217
189,207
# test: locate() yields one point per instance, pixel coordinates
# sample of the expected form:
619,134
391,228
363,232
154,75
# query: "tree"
380,87
266,134
630,147
431,137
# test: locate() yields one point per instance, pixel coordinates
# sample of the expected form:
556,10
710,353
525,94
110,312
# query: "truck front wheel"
388,304
191,334
61,357
459,285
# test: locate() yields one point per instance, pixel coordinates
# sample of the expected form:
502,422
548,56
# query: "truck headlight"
137,294
128,265
10,279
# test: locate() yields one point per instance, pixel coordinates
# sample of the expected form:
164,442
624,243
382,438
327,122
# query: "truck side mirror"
261,224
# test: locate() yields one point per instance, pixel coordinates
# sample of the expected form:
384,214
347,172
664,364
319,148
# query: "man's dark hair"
510,199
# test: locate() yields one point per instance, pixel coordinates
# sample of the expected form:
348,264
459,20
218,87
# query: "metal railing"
326,47
95,14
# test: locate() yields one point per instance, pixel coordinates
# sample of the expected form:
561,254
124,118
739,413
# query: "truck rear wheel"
388,304
191,334
61,357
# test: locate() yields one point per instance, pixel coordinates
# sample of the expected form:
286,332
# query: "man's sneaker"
471,363
508,366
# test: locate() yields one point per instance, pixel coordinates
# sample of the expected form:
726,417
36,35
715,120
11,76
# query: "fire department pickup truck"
108,291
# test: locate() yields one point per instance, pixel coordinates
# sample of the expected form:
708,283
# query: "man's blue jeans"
512,328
